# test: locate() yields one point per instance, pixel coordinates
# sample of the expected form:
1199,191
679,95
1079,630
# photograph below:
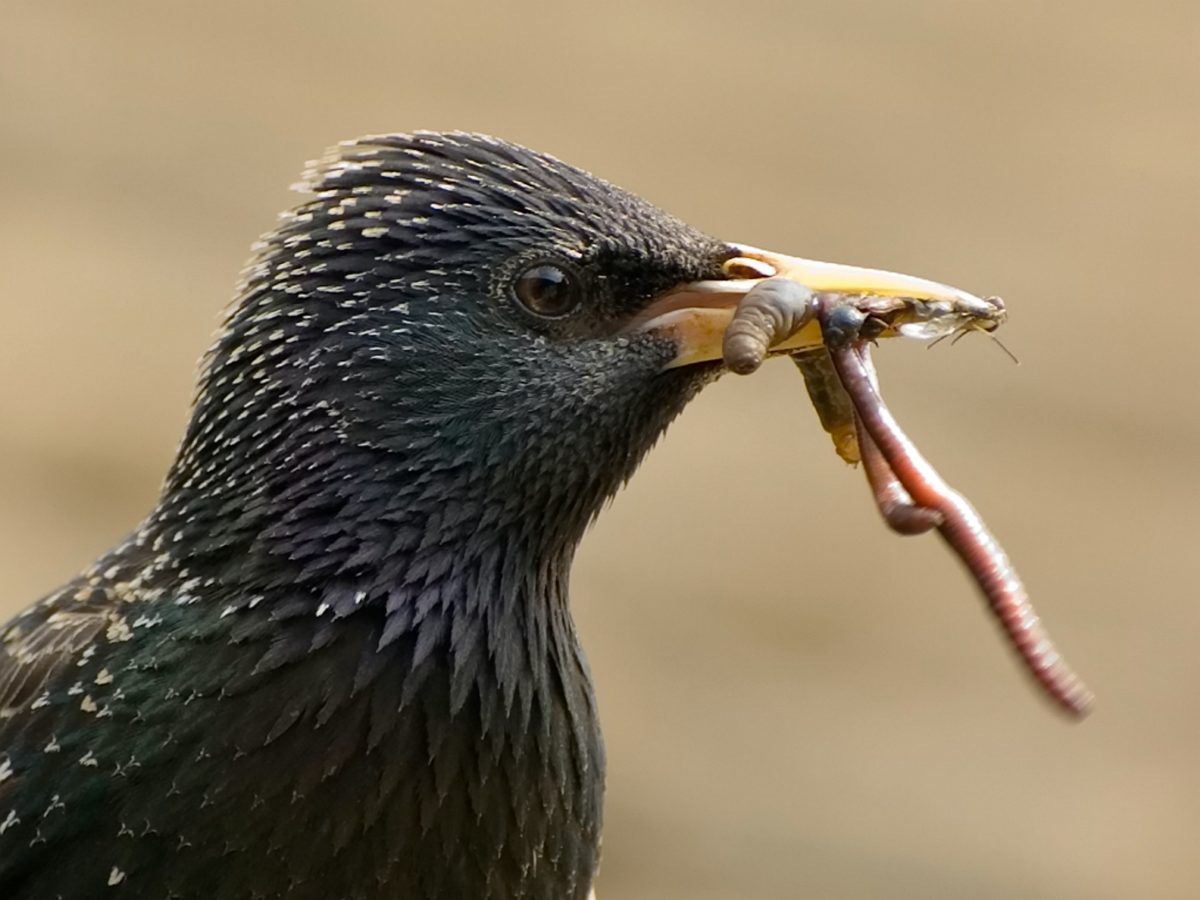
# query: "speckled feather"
337,658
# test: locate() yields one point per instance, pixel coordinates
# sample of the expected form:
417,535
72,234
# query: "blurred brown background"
797,702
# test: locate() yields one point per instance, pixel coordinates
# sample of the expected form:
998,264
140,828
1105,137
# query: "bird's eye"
546,290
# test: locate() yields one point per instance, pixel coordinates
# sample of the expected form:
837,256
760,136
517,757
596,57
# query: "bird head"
463,330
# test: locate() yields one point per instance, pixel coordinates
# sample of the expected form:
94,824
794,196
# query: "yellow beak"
697,314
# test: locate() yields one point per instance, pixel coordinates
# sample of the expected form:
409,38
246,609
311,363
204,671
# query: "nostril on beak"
745,267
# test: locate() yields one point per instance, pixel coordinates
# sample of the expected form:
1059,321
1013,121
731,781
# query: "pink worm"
961,527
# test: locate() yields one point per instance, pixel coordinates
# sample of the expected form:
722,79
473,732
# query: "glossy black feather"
337,661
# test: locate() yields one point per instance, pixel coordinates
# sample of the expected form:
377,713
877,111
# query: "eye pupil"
546,290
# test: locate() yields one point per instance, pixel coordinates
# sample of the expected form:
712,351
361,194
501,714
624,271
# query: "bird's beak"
697,314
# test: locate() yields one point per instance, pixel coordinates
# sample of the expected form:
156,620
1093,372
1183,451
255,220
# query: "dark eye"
546,290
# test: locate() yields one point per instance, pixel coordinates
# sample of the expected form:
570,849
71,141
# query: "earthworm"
901,514
835,409
897,508
961,528
772,311
910,494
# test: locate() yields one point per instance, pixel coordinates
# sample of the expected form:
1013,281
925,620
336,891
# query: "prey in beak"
827,317
698,315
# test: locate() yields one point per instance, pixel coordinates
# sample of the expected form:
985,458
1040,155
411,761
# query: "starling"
337,660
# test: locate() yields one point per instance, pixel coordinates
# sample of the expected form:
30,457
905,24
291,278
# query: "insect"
910,495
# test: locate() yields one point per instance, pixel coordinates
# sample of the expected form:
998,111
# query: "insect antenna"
999,343
959,333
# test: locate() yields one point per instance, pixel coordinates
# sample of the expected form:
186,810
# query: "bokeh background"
797,702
